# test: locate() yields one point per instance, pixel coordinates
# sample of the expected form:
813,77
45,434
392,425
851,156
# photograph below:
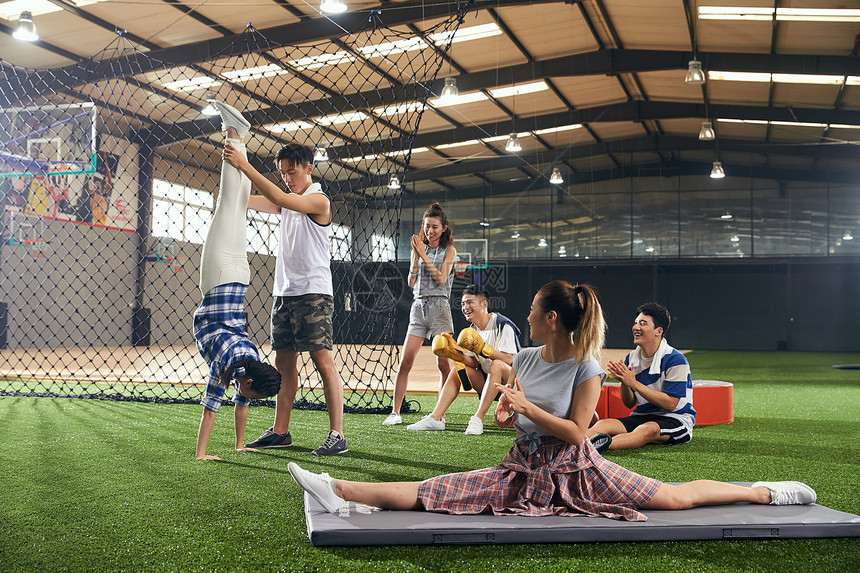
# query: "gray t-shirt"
425,285
550,386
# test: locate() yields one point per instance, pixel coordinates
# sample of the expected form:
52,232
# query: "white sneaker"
427,423
230,117
475,427
788,492
320,486
392,420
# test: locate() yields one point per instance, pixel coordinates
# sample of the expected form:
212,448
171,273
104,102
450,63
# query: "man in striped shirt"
655,378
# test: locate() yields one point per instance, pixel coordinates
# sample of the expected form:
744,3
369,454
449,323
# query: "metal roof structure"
594,88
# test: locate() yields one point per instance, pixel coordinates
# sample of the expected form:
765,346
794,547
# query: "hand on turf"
208,457
244,449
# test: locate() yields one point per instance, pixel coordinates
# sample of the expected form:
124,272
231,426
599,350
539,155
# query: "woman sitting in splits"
219,321
552,468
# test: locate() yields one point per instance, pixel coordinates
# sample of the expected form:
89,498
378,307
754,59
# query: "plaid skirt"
556,478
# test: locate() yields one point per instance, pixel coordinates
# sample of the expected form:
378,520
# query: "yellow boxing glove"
445,346
471,340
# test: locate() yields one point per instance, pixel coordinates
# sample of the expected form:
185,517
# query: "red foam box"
713,400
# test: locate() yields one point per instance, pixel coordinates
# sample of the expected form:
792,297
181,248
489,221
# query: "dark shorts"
674,428
302,323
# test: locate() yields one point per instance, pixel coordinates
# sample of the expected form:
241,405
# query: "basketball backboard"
472,251
48,140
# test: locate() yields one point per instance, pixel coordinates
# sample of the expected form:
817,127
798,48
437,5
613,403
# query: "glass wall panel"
711,220
502,235
464,217
844,221
593,225
789,219
655,217
518,222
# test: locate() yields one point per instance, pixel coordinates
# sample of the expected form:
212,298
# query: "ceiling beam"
646,144
600,62
656,169
557,67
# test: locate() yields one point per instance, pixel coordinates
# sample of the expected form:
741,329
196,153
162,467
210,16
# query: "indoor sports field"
698,155
95,485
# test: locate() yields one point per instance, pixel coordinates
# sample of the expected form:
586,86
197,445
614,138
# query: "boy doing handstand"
219,321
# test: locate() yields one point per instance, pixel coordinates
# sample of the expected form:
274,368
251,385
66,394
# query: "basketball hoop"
460,270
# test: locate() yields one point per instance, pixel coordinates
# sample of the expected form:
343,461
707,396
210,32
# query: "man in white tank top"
303,294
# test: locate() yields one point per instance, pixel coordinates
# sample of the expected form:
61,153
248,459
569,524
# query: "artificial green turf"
112,486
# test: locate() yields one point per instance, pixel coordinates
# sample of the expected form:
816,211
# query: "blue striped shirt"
673,379
219,331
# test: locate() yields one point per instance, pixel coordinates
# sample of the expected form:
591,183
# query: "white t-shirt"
504,341
304,258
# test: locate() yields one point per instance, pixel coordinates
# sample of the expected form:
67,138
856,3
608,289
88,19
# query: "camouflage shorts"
302,323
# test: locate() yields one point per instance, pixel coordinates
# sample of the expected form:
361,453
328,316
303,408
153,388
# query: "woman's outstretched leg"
708,492
332,493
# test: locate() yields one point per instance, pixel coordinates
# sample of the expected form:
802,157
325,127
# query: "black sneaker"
269,439
601,442
333,444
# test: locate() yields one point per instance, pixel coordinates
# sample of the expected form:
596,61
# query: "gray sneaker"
333,444
320,486
230,117
788,492
269,439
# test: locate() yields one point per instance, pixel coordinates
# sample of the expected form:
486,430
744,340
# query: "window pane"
844,221
166,219
710,219
789,220
341,237
200,198
382,248
196,224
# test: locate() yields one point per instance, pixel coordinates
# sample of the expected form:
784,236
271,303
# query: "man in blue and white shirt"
655,378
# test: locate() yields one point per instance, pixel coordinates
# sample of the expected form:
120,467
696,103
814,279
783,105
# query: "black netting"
108,171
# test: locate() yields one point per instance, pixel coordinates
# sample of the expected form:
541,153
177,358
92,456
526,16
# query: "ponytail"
580,314
590,334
